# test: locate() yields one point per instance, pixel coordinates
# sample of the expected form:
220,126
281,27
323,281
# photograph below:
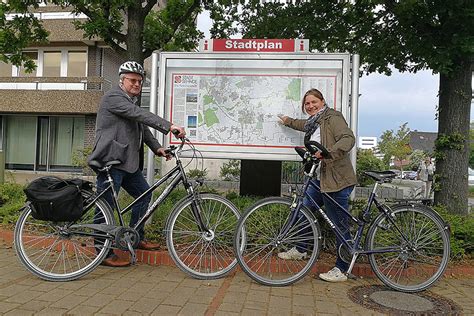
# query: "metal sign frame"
198,63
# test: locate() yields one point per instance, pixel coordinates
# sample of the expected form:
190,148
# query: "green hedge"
12,199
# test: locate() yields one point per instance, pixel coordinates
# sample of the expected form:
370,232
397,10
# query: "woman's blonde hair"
315,93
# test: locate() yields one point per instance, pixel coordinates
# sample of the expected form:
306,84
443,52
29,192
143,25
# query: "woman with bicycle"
335,174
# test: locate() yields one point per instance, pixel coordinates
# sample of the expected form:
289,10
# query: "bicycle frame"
353,245
177,174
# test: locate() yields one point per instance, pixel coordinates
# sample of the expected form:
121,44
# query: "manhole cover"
385,300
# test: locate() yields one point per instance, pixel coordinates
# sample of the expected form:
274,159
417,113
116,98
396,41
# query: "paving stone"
192,309
70,301
303,300
53,295
84,310
116,307
5,306
166,310
16,312
35,305
51,311
164,290
23,297
230,307
145,305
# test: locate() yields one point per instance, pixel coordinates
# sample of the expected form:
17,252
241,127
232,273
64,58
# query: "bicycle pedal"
351,276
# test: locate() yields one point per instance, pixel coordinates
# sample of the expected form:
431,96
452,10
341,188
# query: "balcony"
52,95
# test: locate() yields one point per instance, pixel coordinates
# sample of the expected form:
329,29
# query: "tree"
471,147
19,31
416,157
408,35
395,144
132,28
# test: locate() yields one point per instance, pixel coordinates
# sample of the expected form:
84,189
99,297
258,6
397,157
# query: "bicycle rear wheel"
262,226
200,254
62,251
420,242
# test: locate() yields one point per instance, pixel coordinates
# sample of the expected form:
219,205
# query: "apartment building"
367,142
48,115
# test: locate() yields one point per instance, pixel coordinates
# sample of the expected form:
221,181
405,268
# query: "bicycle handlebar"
314,147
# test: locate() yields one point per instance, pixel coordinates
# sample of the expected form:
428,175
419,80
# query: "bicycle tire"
196,253
261,224
418,263
55,252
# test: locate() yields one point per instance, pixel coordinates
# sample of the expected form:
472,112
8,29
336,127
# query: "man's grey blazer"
120,128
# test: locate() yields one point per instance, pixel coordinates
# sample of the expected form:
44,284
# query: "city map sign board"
229,102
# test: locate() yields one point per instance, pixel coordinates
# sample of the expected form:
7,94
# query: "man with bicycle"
121,132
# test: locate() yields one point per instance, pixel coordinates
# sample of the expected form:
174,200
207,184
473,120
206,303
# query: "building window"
76,64
34,57
43,143
5,69
20,135
66,137
51,64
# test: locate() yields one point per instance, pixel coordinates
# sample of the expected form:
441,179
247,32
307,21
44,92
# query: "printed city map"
243,110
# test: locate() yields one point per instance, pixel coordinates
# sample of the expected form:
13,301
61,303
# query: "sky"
387,102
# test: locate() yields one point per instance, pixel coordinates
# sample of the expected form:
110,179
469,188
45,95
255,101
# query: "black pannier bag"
57,200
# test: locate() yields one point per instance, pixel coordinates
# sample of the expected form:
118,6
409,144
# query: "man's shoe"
292,254
145,245
114,261
333,275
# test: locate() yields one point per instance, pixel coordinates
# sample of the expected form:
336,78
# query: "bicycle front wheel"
270,256
203,255
62,251
410,248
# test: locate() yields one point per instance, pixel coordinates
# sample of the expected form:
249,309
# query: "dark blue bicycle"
407,244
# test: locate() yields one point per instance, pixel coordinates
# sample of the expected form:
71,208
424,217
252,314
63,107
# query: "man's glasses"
134,81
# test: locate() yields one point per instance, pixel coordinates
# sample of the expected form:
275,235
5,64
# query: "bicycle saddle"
384,176
95,164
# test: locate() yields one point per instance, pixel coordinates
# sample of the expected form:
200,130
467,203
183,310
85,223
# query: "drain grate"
386,300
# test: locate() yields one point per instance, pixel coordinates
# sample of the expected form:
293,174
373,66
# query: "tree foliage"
408,35
395,144
132,28
18,31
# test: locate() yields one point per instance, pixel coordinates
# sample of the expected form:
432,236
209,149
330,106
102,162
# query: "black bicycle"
407,244
199,231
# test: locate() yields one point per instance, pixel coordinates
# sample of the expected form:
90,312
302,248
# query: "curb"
162,257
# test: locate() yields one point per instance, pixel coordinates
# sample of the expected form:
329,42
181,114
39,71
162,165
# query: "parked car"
471,177
397,172
409,175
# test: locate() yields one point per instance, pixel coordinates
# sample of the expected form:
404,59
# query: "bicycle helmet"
131,67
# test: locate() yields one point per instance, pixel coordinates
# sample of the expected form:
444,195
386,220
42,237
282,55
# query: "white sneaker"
292,254
333,275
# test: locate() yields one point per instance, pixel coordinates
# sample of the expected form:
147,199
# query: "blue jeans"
335,214
135,184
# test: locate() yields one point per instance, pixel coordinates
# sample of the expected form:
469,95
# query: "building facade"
48,116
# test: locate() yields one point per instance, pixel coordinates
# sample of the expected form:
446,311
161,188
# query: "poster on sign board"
229,103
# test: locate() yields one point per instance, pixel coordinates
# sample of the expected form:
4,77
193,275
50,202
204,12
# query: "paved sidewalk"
164,290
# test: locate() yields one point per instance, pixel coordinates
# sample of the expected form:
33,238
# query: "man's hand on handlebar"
162,153
178,131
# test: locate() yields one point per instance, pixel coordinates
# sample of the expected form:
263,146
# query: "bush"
230,171
12,200
197,173
462,237
366,161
